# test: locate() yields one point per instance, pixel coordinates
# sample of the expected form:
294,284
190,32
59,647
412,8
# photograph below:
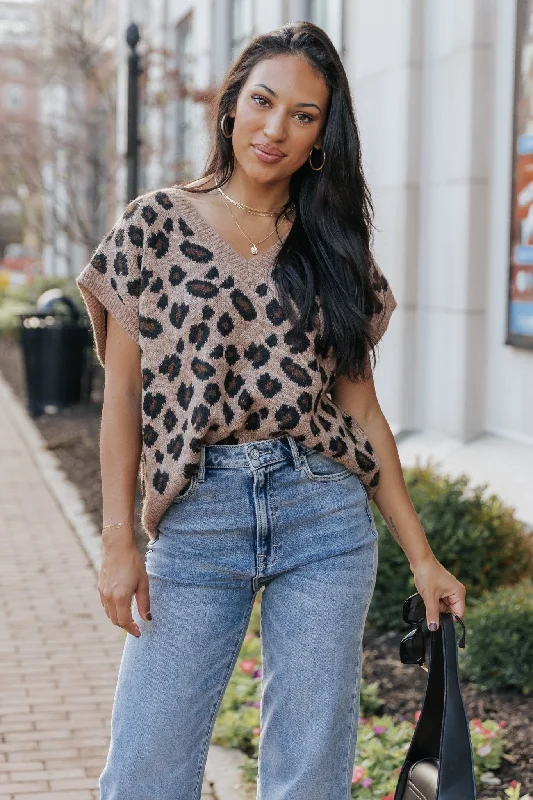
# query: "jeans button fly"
254,452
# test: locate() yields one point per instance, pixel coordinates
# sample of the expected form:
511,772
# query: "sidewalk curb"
222,766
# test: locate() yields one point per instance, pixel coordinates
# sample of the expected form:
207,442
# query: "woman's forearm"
120,451
392,497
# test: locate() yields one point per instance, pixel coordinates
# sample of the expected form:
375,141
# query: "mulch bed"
73,435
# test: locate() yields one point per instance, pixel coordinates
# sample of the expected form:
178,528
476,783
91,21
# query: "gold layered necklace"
227,200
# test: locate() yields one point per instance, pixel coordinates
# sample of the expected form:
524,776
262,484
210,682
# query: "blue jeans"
270,513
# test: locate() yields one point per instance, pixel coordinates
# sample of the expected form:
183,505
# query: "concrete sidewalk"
59,653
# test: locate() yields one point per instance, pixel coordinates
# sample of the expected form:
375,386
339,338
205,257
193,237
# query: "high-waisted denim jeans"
269,513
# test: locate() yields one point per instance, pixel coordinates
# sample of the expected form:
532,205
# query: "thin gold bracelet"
117,525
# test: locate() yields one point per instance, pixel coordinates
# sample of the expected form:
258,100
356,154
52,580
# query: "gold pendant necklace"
253,249
244,207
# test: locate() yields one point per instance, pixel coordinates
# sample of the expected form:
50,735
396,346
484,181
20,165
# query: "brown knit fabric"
220,363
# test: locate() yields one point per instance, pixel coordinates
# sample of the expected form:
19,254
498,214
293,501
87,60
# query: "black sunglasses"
413,646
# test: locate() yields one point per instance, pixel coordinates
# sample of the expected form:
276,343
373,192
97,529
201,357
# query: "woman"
235,304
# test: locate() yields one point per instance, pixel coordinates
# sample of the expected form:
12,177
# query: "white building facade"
433,89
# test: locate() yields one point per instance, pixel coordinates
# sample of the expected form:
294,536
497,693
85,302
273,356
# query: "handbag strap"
442,731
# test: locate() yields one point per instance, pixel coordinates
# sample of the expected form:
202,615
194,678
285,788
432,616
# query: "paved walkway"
59,653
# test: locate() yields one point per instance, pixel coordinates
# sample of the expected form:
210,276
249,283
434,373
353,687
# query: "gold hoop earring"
317,169
227,135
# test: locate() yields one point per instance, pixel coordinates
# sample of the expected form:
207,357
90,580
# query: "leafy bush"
476,537
499,642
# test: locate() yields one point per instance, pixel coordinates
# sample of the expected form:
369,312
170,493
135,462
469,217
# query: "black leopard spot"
159,242
228,414
375,480
134,287
323,374
269,386
149,328
131,209
243,304
148,378
252,422
180,344
157,285
170,420
195,445
315,430
245,400
162,303
176,274
326,424
305,402
199,334
295,372
365,463
150,435
113,284
233,383
274,312
153,404
212,273
341,431
287,417
184,395
175,447
170,366
337,447
119,237
121,264
200,288
196,252
297,343
207,312
184,228
177,315
162,199
262,289
368,448
99,262
202,369
329,409
271,340
228,282
214,427
146,274
232,354
200,417
217,352
168,225
136,235
225,324
160,481
159,457
263,412
212,393
149,214
313,365
258,355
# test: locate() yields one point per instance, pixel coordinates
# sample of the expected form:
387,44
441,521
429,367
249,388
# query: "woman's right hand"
122,575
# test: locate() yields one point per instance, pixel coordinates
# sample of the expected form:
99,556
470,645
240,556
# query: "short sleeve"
111,281
385,305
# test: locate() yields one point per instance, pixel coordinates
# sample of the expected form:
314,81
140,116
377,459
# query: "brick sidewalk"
59,653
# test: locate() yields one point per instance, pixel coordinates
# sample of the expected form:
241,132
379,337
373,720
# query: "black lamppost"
134,70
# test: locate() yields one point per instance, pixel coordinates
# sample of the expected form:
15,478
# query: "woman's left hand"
439,589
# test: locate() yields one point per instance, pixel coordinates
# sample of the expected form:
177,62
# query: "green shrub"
499,640
476,537
15,300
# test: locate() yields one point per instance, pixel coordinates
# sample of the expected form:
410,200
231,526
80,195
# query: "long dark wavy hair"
327,253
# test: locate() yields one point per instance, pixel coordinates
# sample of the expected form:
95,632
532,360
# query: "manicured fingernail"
148,615
432,626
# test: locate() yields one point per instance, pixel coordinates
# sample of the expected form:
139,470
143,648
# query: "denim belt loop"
201,465
297,456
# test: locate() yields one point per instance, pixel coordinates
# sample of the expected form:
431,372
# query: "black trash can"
55,345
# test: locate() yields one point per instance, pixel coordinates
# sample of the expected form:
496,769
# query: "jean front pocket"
319,467
188,490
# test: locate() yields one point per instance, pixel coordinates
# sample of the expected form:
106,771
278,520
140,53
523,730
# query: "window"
328,14
184,106
242,25
14,99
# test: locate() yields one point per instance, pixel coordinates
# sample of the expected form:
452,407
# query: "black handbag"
439,763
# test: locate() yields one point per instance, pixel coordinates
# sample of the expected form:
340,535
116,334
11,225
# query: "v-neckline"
217,241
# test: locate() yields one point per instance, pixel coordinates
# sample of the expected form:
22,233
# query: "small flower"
248,665
366,782
247,637
357,774
388,797
514,784
417,715
256,731
502,723
379,729
363,720
485,750
257,704
257,673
